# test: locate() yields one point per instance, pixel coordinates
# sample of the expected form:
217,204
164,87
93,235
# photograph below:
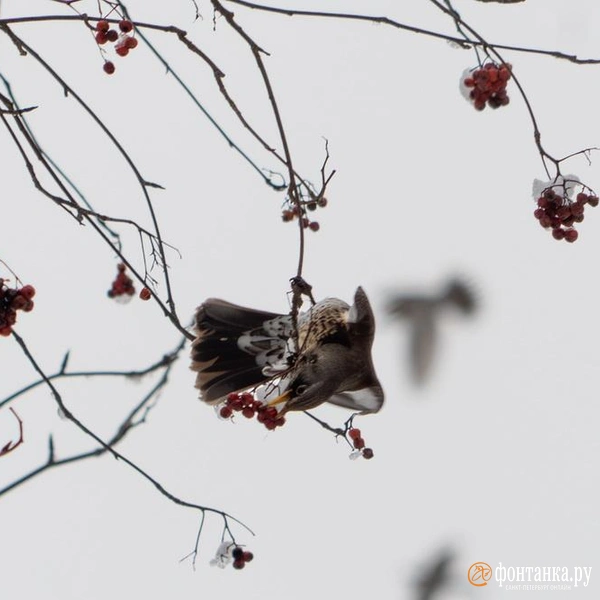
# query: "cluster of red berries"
558,212
246,404
241,557
12,300
123,41
488,85
359,443
289,214
122,285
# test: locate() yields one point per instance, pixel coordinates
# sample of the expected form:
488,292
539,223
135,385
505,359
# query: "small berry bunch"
241,557
122,287
250,407
228,552
359,443
289,214
556,210
12,300
123,41
488,85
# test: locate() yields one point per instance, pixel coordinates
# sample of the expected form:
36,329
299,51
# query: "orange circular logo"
479,574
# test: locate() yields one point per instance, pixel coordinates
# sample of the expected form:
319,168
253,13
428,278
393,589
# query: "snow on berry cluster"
358,442
12,300
122,287
230,553
123,42
557,211
487,85
250,407
289,214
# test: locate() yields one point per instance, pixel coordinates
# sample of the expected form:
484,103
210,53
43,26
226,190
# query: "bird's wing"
423,342
365,400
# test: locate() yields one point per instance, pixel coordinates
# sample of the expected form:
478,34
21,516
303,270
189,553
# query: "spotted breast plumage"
239,349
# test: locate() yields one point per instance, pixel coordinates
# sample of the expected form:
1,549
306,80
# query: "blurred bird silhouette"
422,312
240,348
435,576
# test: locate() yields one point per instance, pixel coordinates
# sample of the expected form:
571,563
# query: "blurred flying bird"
423,312
435,576
240,348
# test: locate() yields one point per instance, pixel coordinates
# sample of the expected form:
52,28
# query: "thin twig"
109,449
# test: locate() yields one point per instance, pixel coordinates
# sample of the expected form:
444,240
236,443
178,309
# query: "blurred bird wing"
423,344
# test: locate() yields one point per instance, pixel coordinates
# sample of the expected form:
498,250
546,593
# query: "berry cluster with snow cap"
250,407
230,553
122,287
12,300
487,85
123,41
557,211
358,442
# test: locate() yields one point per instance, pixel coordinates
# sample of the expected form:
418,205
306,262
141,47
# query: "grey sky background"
497,458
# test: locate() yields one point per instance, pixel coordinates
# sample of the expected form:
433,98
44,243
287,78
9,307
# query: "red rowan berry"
354,433
225,412
359,443
28,291
248,412
571,235
102,26
368,453
131,42
125,25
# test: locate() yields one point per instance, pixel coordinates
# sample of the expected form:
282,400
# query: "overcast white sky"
497,458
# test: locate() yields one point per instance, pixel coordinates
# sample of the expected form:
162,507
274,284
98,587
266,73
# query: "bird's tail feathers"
233,346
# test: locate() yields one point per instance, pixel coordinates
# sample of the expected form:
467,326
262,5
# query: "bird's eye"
312,359
301,389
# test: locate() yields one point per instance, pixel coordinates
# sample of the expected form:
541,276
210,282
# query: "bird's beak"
282,398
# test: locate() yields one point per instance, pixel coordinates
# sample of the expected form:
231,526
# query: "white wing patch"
367,400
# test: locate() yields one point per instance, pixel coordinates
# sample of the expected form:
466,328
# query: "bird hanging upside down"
239,348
